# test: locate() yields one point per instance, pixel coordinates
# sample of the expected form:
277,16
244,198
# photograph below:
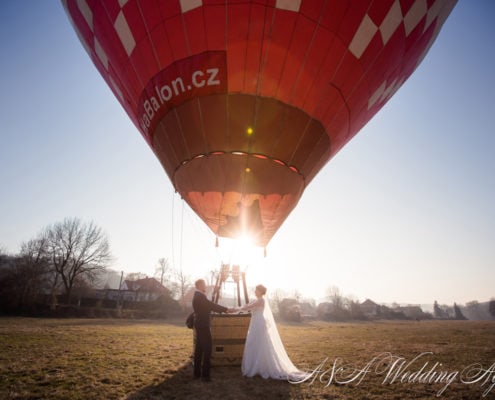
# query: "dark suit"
202,349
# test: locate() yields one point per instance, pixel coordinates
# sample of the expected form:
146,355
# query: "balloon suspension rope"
181,232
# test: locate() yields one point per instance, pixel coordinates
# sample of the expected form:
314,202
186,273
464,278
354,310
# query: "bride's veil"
279,354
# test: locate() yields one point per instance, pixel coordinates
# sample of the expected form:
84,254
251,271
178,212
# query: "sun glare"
242,251
246,242
258,268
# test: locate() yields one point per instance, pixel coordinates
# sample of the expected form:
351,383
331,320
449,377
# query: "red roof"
146,285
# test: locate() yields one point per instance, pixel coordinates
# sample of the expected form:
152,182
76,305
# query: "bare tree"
183,283
78,251
473,310
33,269
336,298
4,257
163,269
212,277
7,282
276,297
458,313
24,276
438,311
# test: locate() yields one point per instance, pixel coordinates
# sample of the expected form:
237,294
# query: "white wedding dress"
264,352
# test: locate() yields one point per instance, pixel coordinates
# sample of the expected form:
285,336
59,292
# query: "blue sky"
405,212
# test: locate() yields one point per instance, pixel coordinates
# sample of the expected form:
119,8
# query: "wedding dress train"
264,352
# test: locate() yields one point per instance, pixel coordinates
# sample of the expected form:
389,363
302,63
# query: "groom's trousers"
202,352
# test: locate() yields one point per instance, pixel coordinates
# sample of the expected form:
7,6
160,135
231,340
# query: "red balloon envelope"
243,102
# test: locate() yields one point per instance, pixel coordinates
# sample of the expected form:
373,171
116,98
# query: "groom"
203,344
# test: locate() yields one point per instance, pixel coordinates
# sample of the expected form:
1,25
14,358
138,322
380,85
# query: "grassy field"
138,360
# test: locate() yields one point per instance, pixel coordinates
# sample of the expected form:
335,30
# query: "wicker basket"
229,336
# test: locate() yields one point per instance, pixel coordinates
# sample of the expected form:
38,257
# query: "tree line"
64,257
67,258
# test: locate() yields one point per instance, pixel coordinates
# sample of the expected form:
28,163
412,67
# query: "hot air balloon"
243,102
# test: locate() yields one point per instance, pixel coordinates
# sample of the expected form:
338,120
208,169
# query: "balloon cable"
172,224
181,235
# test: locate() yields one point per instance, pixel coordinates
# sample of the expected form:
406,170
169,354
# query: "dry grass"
137,360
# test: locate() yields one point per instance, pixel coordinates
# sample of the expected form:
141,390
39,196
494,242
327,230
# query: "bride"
264,352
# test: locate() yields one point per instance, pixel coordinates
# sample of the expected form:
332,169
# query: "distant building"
413,312
307,310
369,308
290,310
324,310
146,289
474,310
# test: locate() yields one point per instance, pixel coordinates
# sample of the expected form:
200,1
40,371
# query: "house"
308,310
324,310
289,310
369,308
146,289
412,312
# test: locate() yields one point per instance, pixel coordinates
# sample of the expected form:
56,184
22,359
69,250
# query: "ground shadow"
226,383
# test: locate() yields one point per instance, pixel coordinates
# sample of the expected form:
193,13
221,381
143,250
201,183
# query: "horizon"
287,293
